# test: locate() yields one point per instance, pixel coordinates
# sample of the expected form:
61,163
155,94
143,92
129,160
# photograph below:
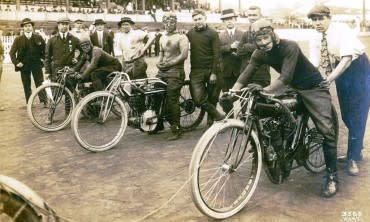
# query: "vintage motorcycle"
100,119
268,131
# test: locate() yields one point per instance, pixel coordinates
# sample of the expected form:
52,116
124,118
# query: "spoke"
213,187
222,186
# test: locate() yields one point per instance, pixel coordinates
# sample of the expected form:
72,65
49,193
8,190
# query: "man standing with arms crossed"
173,52
204,60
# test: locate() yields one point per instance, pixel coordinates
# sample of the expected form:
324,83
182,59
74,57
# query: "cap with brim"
63,20
197,12
228,13
319,10
124,20
79,20
99,22
27,21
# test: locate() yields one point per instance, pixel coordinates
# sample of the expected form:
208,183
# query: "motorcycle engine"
149,120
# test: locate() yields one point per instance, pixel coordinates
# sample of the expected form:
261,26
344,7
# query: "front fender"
12,185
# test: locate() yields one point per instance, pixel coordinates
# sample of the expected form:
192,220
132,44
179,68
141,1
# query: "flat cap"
198,12
319,10
63,20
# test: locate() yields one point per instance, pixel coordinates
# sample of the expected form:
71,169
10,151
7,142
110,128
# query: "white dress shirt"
28,35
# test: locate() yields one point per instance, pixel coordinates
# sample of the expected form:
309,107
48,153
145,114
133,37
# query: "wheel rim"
51,108
227,173
97,126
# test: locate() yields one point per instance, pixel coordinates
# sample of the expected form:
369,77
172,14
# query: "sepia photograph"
184,110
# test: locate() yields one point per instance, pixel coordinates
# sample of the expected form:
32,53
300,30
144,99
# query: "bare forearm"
344,63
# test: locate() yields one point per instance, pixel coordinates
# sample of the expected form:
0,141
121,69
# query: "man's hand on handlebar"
255,87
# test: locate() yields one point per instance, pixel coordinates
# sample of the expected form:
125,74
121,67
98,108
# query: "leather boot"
176,133
331,186
212,111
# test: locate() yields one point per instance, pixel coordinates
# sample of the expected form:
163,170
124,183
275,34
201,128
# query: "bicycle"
50,106
268,131
139,103
20,203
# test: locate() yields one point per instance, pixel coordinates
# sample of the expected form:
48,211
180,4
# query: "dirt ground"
142,172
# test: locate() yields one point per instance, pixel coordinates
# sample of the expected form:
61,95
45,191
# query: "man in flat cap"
27,54
77,28
61,49
205,69
230,62
133,44
102,38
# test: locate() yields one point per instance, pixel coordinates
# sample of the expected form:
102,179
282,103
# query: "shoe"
342,158
331,186
352,168
2,108
176,133
48,121
209,120
213,112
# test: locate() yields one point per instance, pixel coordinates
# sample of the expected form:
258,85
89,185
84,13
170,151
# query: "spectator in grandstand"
230,63
133,46
8,9
174,50
61,49
77,28
96,64
204,60
102,38
27,54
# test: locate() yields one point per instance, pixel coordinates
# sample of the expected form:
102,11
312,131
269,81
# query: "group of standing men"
227,60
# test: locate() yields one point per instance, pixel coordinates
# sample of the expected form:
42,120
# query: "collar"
200,29
231,30
28,34
65,34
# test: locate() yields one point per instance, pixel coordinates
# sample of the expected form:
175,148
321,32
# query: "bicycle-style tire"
50,107
95,125
14,208
227,142
190,115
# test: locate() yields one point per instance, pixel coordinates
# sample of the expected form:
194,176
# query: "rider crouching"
95,64
295,70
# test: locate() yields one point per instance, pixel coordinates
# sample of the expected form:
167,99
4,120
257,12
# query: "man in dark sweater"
295,70
27,54
204,60
61,49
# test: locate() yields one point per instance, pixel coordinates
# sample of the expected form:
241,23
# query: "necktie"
101,39
325,60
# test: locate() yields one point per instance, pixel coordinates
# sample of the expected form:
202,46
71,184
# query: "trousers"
38,78
353,90
200,88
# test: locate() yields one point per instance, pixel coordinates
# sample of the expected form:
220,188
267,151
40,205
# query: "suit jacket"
230,64
107,42
60,53
18,51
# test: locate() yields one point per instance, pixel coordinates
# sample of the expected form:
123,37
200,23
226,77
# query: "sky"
272,5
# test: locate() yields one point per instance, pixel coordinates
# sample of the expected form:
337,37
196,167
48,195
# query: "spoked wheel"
14,209
313,141
191,115
50,107
225,169
102,128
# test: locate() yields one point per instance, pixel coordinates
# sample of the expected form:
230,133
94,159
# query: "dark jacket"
107,42
230,64
18,51
60,53
245,50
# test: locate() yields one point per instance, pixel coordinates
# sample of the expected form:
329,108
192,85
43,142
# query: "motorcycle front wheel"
225,169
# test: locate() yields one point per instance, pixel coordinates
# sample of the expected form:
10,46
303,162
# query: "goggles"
262,31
